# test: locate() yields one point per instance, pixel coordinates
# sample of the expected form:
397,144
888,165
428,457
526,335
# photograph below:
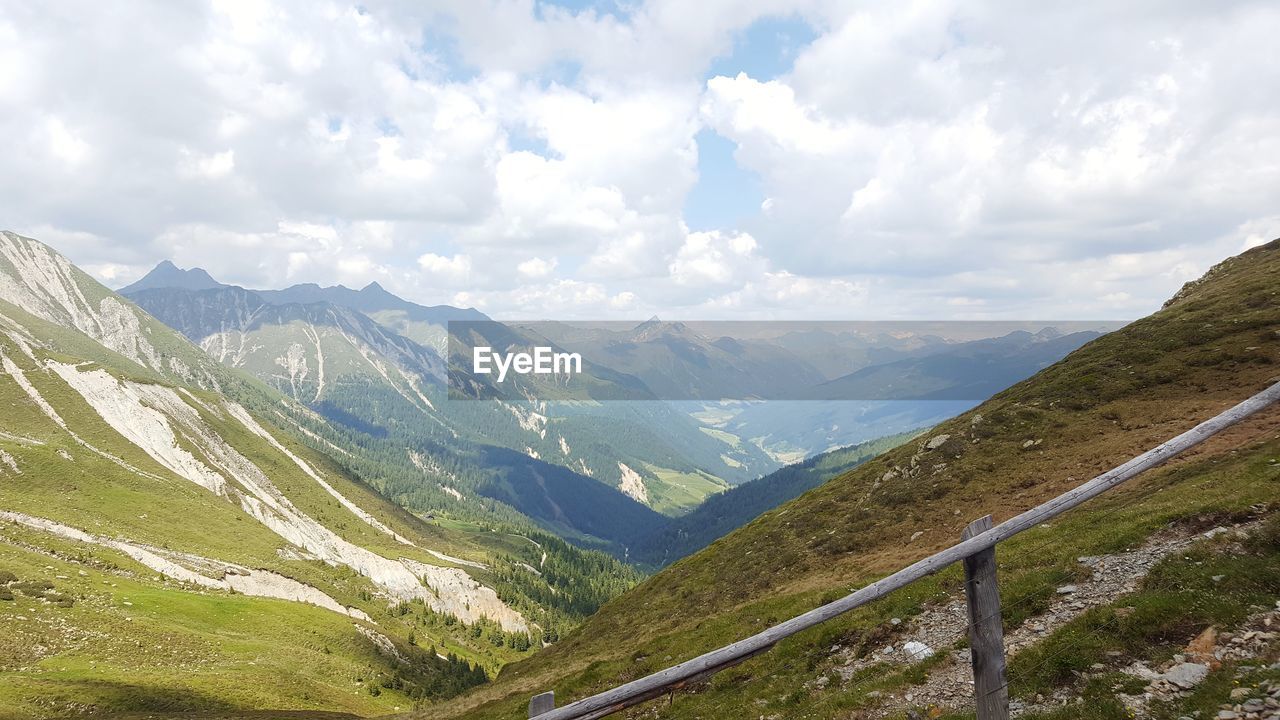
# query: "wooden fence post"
544,703
986,631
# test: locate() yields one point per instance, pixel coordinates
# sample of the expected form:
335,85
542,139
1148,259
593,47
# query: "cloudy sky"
713,159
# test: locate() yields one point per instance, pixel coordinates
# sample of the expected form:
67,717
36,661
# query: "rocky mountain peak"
168,275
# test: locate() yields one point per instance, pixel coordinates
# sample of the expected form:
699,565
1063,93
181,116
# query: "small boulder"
1186,675
917,651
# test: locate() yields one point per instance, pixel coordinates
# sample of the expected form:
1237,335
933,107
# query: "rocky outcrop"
46,284
159,421
177,566
458,594
632,485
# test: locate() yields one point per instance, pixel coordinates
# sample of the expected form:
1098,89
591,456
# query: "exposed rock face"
10,462
246,581
131,409
301,349
917,651
47,285
633,485
252,425
160,421
1243,647
382,642
456,593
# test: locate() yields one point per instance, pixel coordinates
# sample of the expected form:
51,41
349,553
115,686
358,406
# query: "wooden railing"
976,550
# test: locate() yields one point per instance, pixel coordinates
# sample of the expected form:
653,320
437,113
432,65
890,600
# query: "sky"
754,159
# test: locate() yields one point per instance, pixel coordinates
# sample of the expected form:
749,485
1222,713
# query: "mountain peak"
371,298
167,275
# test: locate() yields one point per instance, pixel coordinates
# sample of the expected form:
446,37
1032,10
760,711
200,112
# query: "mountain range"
219,473
342,353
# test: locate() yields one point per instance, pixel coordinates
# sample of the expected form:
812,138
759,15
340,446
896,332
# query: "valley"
297,461
289,459
1212,345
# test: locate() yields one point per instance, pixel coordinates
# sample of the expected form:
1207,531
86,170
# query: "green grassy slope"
724,513
49,475
1216,343
146,515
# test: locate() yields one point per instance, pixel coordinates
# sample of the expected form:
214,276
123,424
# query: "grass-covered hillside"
168,542
721,514
1216,343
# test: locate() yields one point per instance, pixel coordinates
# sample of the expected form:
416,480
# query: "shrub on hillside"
34,588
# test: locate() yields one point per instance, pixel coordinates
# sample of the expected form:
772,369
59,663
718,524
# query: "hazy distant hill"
678,363
324,347
965,371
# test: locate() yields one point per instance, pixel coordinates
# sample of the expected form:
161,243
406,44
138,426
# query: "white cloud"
1258,231
536,267
715,259
212,166
919,157
541,203
623,302
454,270
782,295
64,144
930,138
637,254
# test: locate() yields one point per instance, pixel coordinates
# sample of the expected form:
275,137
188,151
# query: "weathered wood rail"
976,550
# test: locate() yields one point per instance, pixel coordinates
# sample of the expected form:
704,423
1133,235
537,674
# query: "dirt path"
939,628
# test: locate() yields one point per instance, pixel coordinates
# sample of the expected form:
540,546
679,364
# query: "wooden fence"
976,551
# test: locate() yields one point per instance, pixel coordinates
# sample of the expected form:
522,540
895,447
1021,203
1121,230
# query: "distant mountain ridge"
972,370
372,298
354,354
370,362
326,342
168,275
677,362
